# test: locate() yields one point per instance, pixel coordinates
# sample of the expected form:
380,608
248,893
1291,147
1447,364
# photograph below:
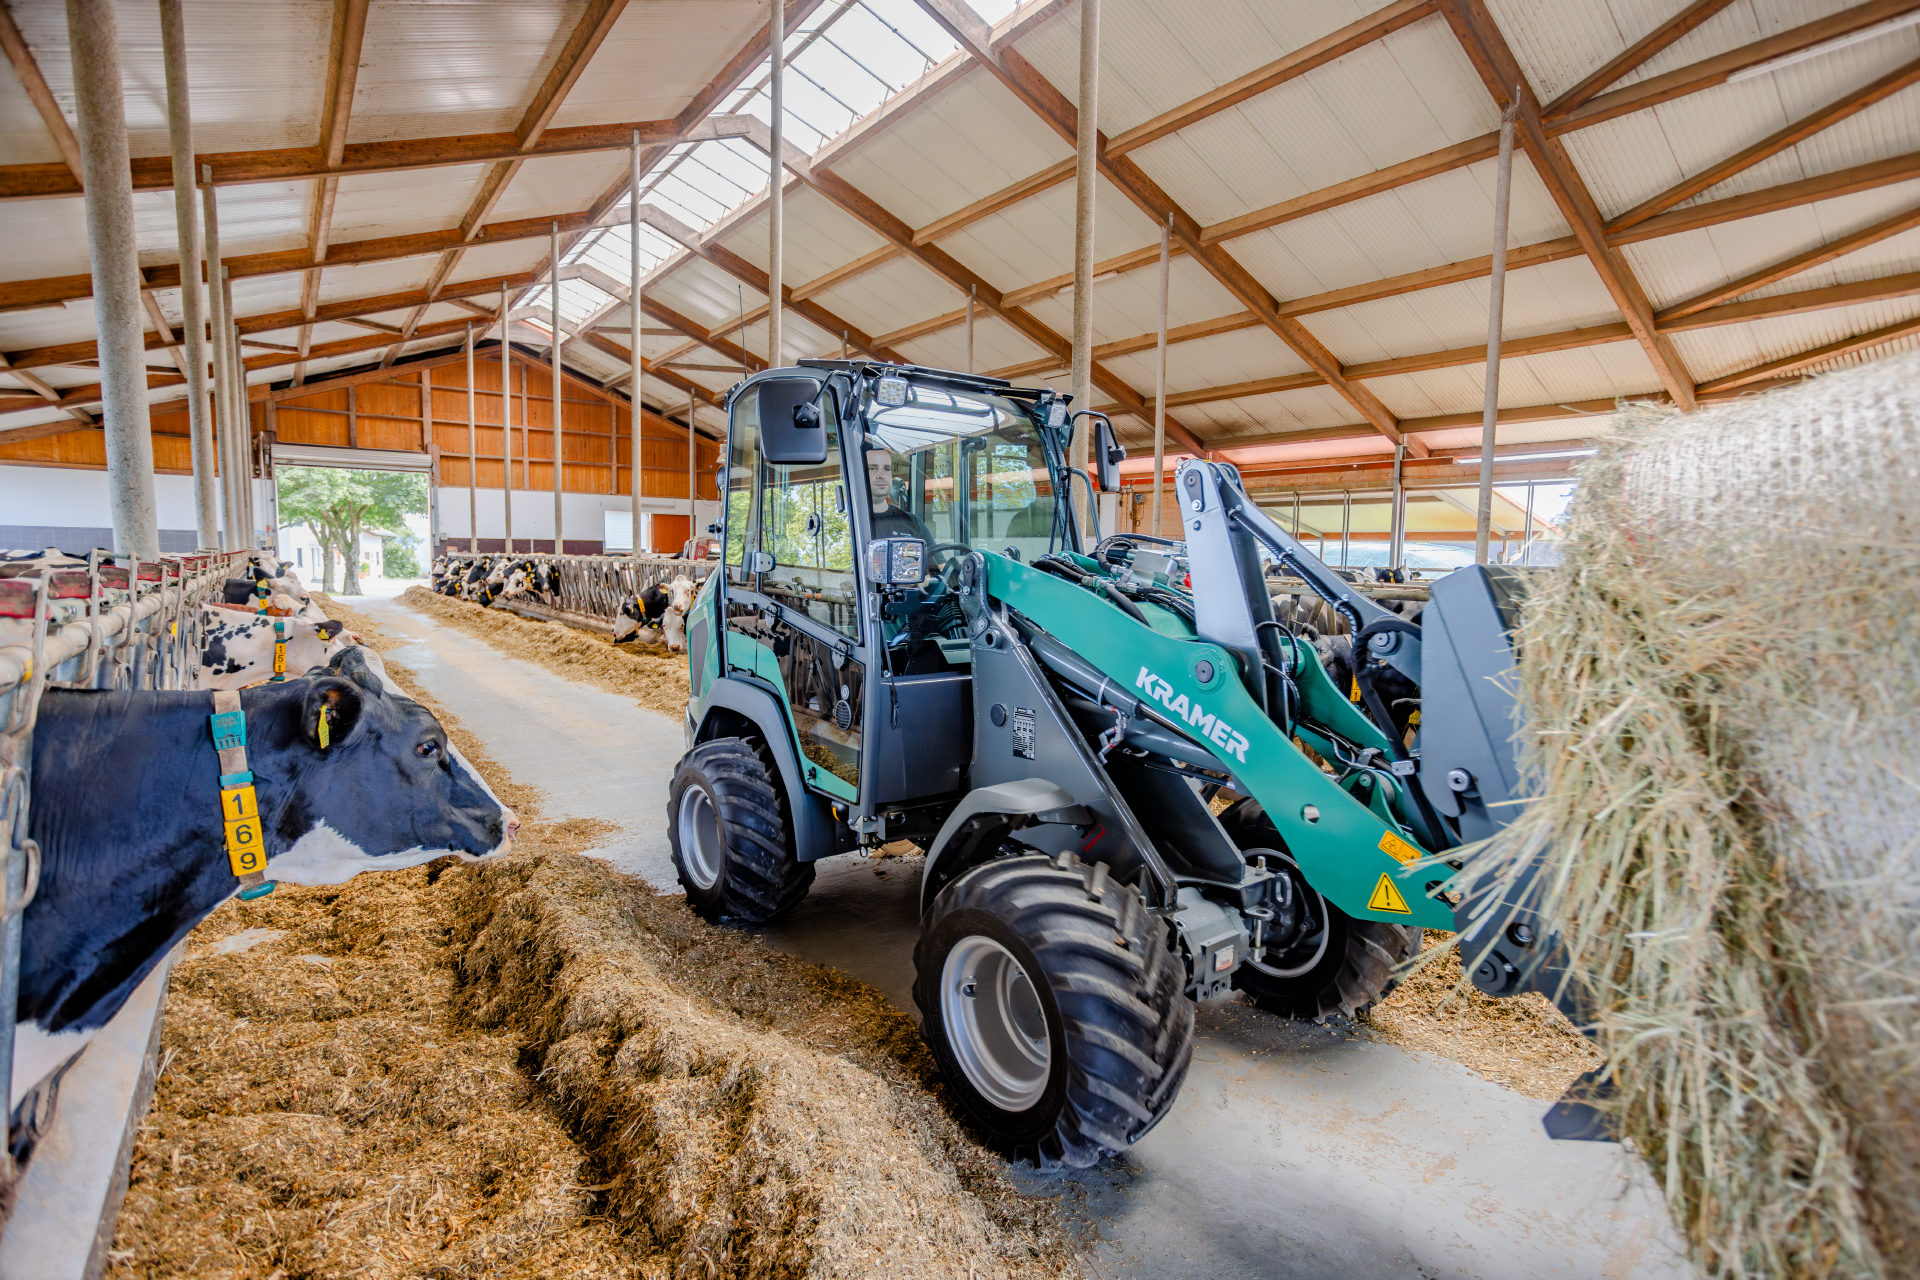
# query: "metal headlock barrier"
591,588
113,623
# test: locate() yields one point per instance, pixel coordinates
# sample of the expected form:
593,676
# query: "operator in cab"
889,520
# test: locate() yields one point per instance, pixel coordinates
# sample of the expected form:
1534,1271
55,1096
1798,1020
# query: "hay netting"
652,674
1721,681
749,1114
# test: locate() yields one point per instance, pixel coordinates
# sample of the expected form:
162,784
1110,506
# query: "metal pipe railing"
138,627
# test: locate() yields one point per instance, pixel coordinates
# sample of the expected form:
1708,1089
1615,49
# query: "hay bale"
749,1114
1721,682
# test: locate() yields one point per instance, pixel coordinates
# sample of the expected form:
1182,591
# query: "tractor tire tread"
762,879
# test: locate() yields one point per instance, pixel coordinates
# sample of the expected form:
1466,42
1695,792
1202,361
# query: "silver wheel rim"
701,848
996,1024
1314,947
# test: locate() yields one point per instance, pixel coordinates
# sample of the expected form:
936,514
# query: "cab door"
793,599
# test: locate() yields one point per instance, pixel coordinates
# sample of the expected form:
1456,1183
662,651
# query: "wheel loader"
1135,787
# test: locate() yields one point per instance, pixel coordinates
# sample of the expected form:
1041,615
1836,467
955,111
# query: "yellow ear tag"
326,736
1355,695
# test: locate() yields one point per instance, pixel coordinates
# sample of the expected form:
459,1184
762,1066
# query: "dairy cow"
236,647
662,608
127,810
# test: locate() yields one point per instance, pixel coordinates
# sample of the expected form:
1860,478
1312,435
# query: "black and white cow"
236,647
661,610
127,812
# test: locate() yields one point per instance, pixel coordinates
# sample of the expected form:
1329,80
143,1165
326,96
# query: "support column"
506,414
193,307
1397,529
972,292
553,295
1490,409
242,416
1160,377
269,474
473,459
776,183
1085,176
633,308
693,452
222,376
94,35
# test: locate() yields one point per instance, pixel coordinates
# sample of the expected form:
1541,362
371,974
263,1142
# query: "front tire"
1054,1008
1340,965
732,845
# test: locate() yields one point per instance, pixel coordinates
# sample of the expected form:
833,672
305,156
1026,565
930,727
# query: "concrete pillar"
1397,528
506,413
972,292
1490,409
553,295
193,306
222,376
1085,176
776,183
94,36
693,452
473,459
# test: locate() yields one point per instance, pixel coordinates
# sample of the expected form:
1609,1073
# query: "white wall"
533,513
78,499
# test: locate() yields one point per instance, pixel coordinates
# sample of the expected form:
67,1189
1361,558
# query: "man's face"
879,478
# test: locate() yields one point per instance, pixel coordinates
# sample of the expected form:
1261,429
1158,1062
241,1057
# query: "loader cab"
822,462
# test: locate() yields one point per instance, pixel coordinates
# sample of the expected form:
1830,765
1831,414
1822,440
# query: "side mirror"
790,421
896,562
1106,457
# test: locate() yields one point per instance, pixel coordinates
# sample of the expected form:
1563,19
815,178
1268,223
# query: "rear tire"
1057,1014
1345,966
732,843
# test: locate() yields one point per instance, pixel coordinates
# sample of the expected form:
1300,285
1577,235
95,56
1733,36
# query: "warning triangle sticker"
1387,898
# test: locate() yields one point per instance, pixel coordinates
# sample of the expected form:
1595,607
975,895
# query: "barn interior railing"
114,622
592,589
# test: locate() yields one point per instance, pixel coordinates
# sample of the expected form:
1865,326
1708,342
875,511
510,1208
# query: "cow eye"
427,750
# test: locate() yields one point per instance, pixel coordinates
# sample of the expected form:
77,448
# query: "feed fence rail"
592,589
114,622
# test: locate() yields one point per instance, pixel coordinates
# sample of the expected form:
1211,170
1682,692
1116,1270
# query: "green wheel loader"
913,637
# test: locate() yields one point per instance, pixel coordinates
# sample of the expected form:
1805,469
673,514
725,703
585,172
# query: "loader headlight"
893,562
891,391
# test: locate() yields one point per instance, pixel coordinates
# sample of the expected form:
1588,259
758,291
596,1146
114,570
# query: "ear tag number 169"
246,849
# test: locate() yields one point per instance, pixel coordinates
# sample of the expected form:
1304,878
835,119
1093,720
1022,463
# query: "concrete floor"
1294,1151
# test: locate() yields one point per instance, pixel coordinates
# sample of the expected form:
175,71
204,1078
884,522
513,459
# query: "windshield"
1003,497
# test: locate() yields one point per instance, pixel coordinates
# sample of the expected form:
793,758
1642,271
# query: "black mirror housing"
791,430
1106,456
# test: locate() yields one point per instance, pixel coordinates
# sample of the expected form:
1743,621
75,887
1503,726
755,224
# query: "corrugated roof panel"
257,71
1895,255
44,238
1447,218
394,204
261,217
1584,373
1033,240
974,139
1880,352
369,280
46,327
1152,55
821,237
23,138
264,295
1551,429
705,294
658,56
1546,299
1391,101
1127,305
1628,160
892,296
1242,356
1678,267
1221,420
488,261
1737,25
1714,353
435,70
1560,45
559,184
995,345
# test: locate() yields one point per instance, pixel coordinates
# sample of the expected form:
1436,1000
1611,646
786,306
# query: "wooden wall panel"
302,426
389,433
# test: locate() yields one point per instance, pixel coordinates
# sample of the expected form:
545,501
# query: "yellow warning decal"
1387,898
1393,846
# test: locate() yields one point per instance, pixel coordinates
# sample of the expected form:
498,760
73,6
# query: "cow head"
680,594
387,789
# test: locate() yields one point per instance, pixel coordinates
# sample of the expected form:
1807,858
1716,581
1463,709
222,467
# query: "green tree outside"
338,506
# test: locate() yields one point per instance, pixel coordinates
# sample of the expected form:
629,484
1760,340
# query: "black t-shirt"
896,522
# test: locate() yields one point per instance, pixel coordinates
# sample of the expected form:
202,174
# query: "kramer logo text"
1206,725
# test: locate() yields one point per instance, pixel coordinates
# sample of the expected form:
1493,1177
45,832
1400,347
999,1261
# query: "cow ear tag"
324,730
260,890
